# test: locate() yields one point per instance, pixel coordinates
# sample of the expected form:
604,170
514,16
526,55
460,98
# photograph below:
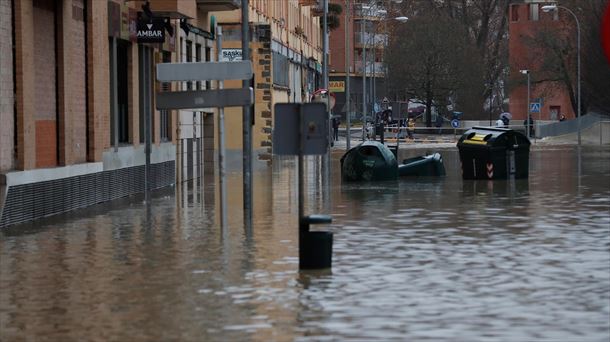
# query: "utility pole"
221,140
348,65
363,42
246,121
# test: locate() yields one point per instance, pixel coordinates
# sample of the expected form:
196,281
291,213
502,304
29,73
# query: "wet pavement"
414,260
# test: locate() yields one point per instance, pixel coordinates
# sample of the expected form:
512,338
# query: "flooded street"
414,260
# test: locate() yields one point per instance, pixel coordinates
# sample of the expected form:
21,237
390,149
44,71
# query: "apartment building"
286,52
368,28
77,90
526,19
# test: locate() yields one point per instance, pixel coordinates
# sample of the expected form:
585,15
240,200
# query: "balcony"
308,2
174,8
378,40
377,68
218,5
370,13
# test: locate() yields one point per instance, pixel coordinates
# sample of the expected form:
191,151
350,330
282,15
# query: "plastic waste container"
494,153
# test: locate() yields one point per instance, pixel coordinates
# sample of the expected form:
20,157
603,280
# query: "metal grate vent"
36,200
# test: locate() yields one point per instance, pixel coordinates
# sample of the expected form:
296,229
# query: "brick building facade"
77,88
526,18
7,95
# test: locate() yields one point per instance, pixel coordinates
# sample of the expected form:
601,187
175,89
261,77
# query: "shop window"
119,71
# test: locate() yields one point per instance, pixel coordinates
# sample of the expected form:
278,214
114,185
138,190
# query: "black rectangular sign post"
310,123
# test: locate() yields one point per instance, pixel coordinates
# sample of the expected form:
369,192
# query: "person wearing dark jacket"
336,122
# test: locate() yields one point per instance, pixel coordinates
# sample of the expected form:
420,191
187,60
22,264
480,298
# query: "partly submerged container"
494,153
369,161
422,166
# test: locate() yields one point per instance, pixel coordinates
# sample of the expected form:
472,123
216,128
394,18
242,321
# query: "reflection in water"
416,259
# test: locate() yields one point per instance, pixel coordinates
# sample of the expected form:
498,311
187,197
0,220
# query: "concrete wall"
7,97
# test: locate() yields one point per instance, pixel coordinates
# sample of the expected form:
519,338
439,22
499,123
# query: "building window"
514,12
165,119
208,58
119,115
534,12
198,59
189,58
280,70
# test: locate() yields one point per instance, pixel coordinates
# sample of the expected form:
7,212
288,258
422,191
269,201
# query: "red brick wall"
336,42
7,97
523,56
98,84
77,73
46,143
45,78
44,63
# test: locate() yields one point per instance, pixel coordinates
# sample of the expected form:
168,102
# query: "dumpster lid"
494,137
371,147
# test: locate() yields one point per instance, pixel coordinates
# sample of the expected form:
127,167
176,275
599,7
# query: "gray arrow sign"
201,71
205,98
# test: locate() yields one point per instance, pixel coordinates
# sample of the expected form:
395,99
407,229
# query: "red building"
527,19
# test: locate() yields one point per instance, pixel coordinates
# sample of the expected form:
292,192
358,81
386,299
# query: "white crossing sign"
203,71
535,107
205,98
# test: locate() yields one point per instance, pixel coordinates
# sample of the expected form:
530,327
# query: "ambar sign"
151,31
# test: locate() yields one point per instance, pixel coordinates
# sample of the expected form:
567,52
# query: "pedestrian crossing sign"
535,107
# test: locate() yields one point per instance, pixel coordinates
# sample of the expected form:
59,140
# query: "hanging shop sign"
150,30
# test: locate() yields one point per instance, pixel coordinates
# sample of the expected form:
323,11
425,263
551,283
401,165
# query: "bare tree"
555,52
486,25
432,60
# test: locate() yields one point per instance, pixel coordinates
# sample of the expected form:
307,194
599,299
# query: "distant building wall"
525,20
7,97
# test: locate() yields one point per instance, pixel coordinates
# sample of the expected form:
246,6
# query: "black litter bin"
494,153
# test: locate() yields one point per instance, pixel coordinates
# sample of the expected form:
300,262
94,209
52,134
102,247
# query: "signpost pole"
114,96
528,105
221,141
348,65
300,170
148,122
247,122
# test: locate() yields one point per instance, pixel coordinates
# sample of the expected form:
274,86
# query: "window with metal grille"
280,70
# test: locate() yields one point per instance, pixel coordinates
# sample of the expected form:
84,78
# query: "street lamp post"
347,76
401,19
527,72
555,7
363,42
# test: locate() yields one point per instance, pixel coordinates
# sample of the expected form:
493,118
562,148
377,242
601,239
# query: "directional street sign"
201,71
535,107
205,98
